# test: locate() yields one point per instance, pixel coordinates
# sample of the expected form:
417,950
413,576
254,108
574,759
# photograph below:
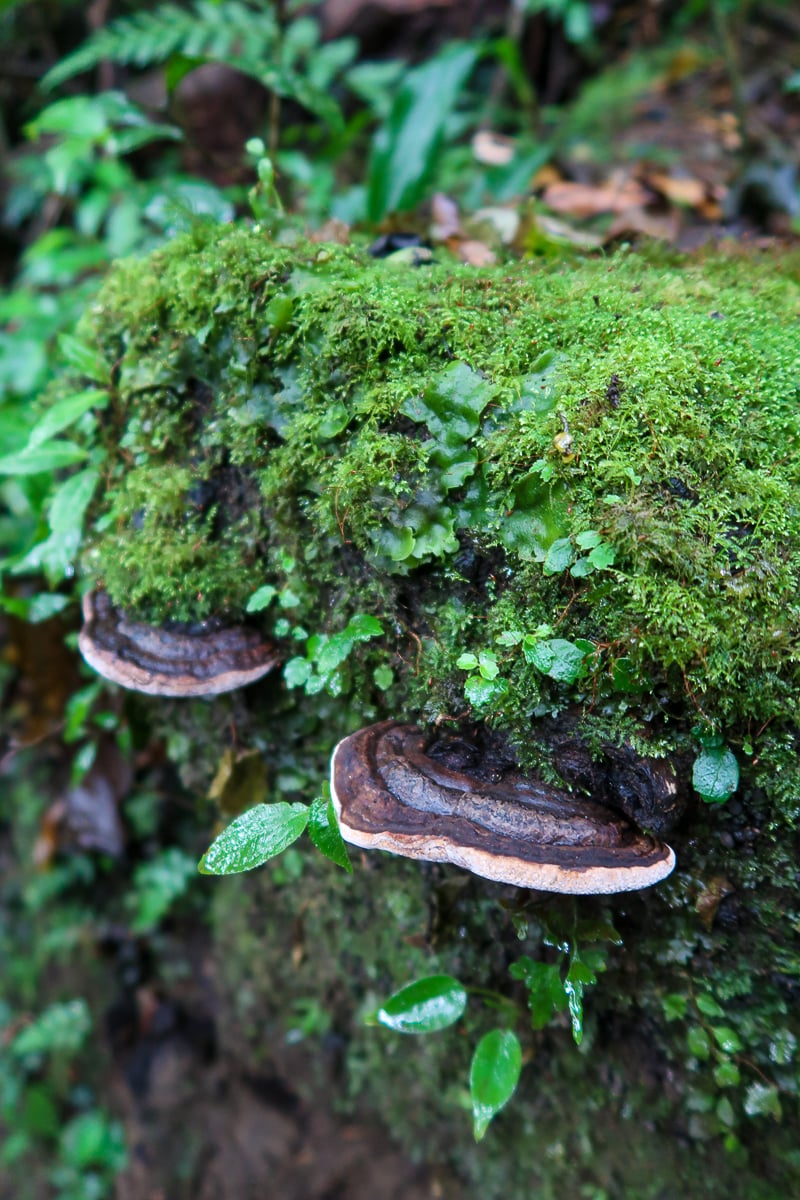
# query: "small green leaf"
509,637
708,1006
424,1006
727,1039
556,657
698,1042
588,540
297,672
727,1074
255,837
545,990
493,1077
467,662
674,1006
481,692
487,664
323,829
715,775
261,598
558,557
762,1100
384,677
602,556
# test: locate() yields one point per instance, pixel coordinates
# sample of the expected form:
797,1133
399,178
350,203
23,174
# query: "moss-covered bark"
498,463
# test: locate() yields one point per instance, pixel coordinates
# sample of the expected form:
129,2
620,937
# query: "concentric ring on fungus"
390,793
170,659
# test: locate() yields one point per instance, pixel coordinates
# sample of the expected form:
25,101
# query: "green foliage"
424,1006
406,147
321,668
715,774
493,1076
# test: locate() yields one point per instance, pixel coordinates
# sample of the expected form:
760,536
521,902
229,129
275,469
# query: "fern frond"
203,30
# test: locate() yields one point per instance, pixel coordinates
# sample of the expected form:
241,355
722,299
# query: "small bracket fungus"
396,788
170,660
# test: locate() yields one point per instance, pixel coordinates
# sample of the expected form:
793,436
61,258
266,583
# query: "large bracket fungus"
396,788
200,659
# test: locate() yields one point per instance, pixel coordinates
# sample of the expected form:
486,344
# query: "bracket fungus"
396,788
175,659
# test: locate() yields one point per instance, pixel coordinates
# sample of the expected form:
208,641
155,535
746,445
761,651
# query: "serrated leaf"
560,555
493,1077
715,774
323,829
254,838
424,1006
261,598
556,657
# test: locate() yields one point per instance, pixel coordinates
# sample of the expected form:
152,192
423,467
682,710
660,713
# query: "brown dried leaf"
711,897
686,191
586,200
240,781
475,254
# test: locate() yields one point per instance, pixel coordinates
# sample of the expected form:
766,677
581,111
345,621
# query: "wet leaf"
254,838
715,775
64,413
261,598
424,1006
556,657
493,1076
323,829
49,456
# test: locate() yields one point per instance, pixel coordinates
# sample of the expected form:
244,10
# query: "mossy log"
570,496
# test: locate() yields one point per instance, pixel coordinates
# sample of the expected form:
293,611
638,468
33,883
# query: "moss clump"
608,448
497,465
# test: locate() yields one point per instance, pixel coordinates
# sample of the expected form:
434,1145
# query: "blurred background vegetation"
537,127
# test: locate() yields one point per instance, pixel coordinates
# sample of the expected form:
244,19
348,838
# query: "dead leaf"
475,254
445,222
686,191
493,149
240,781
661,227
711,897
586,200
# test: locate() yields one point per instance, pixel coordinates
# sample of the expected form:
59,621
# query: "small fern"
247,37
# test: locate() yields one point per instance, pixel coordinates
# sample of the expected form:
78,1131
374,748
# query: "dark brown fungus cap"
170,660
396,788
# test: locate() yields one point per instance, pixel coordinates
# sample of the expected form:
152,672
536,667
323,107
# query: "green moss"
606,453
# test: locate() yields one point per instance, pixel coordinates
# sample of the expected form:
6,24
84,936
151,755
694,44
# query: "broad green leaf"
64,413
602,556
50,456
493,1076
480,691
323,829
451,407
708,1006
261,598
255,837
406,148
556,657
467,662
715,775
424,1006
674,1006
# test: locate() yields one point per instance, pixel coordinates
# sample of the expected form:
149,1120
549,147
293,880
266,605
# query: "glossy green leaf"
406,148
323,829
493,1077
424,1006
715,774
451,406
762,1100
255,837
727,1039
727,1074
